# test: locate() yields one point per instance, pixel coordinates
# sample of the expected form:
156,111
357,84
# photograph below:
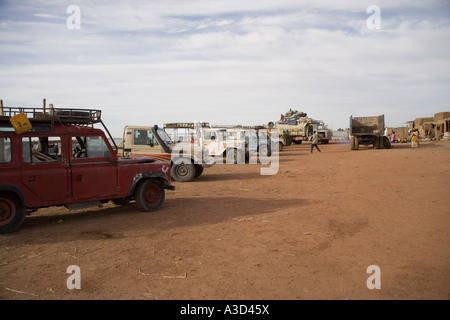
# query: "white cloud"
228,62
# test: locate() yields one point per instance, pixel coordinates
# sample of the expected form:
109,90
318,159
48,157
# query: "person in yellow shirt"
415,139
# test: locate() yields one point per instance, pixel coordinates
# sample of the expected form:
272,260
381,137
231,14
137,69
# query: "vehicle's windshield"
223,133
164,136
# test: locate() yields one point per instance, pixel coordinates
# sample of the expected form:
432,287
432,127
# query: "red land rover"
64,161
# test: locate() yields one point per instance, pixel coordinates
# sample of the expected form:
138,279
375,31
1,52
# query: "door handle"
79,177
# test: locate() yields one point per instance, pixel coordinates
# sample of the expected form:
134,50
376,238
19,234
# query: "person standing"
315,142
415,139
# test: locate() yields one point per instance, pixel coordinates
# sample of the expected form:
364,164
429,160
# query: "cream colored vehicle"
299,132
224,143
187,160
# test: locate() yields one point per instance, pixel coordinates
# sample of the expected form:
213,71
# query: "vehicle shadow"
118,222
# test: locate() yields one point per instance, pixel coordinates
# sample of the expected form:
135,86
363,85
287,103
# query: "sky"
228,62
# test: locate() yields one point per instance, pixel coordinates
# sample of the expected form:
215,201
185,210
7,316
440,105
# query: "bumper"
208,163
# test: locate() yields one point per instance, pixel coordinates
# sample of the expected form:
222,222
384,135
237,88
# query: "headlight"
205,153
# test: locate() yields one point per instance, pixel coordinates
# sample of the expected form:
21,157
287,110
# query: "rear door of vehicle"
45,169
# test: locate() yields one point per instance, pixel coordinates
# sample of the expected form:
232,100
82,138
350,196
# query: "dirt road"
309,232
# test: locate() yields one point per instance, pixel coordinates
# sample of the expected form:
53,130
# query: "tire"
377,143
352,143
264,151
356,143
183,172
386,143
234,156
280,146
12,212
149,195
297,141
198,171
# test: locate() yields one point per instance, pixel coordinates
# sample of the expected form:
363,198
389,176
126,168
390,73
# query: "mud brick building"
432,127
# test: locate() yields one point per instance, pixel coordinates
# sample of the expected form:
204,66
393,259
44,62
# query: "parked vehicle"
63,160
225,142
187,159
368,131
325,134
298,132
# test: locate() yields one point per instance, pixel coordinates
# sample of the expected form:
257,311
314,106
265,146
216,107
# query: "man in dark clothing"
315,141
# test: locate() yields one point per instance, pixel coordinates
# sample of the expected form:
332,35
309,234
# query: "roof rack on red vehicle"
64,115
60,115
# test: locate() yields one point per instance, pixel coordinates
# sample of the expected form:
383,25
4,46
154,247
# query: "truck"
301,131
368,131
187,159
63,159
325,134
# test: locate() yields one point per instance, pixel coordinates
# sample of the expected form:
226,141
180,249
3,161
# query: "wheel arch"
172,162
14,190
161,176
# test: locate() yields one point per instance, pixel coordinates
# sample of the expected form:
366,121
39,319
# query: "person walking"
315,142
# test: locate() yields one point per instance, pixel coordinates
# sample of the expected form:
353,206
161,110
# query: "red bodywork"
71,180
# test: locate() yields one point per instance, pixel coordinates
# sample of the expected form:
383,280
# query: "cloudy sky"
228,62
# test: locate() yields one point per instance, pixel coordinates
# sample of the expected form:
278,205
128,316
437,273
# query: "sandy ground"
309,232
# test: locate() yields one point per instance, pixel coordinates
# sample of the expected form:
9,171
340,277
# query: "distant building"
401,133
432,127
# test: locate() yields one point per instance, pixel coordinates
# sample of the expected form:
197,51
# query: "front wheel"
234,156
198,171
377,143
12,213
278,146
386,143
183,172
264,151
149,195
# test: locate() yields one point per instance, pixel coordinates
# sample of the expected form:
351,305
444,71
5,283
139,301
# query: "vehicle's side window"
210,135
5,150
144,138
90,147
41,149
